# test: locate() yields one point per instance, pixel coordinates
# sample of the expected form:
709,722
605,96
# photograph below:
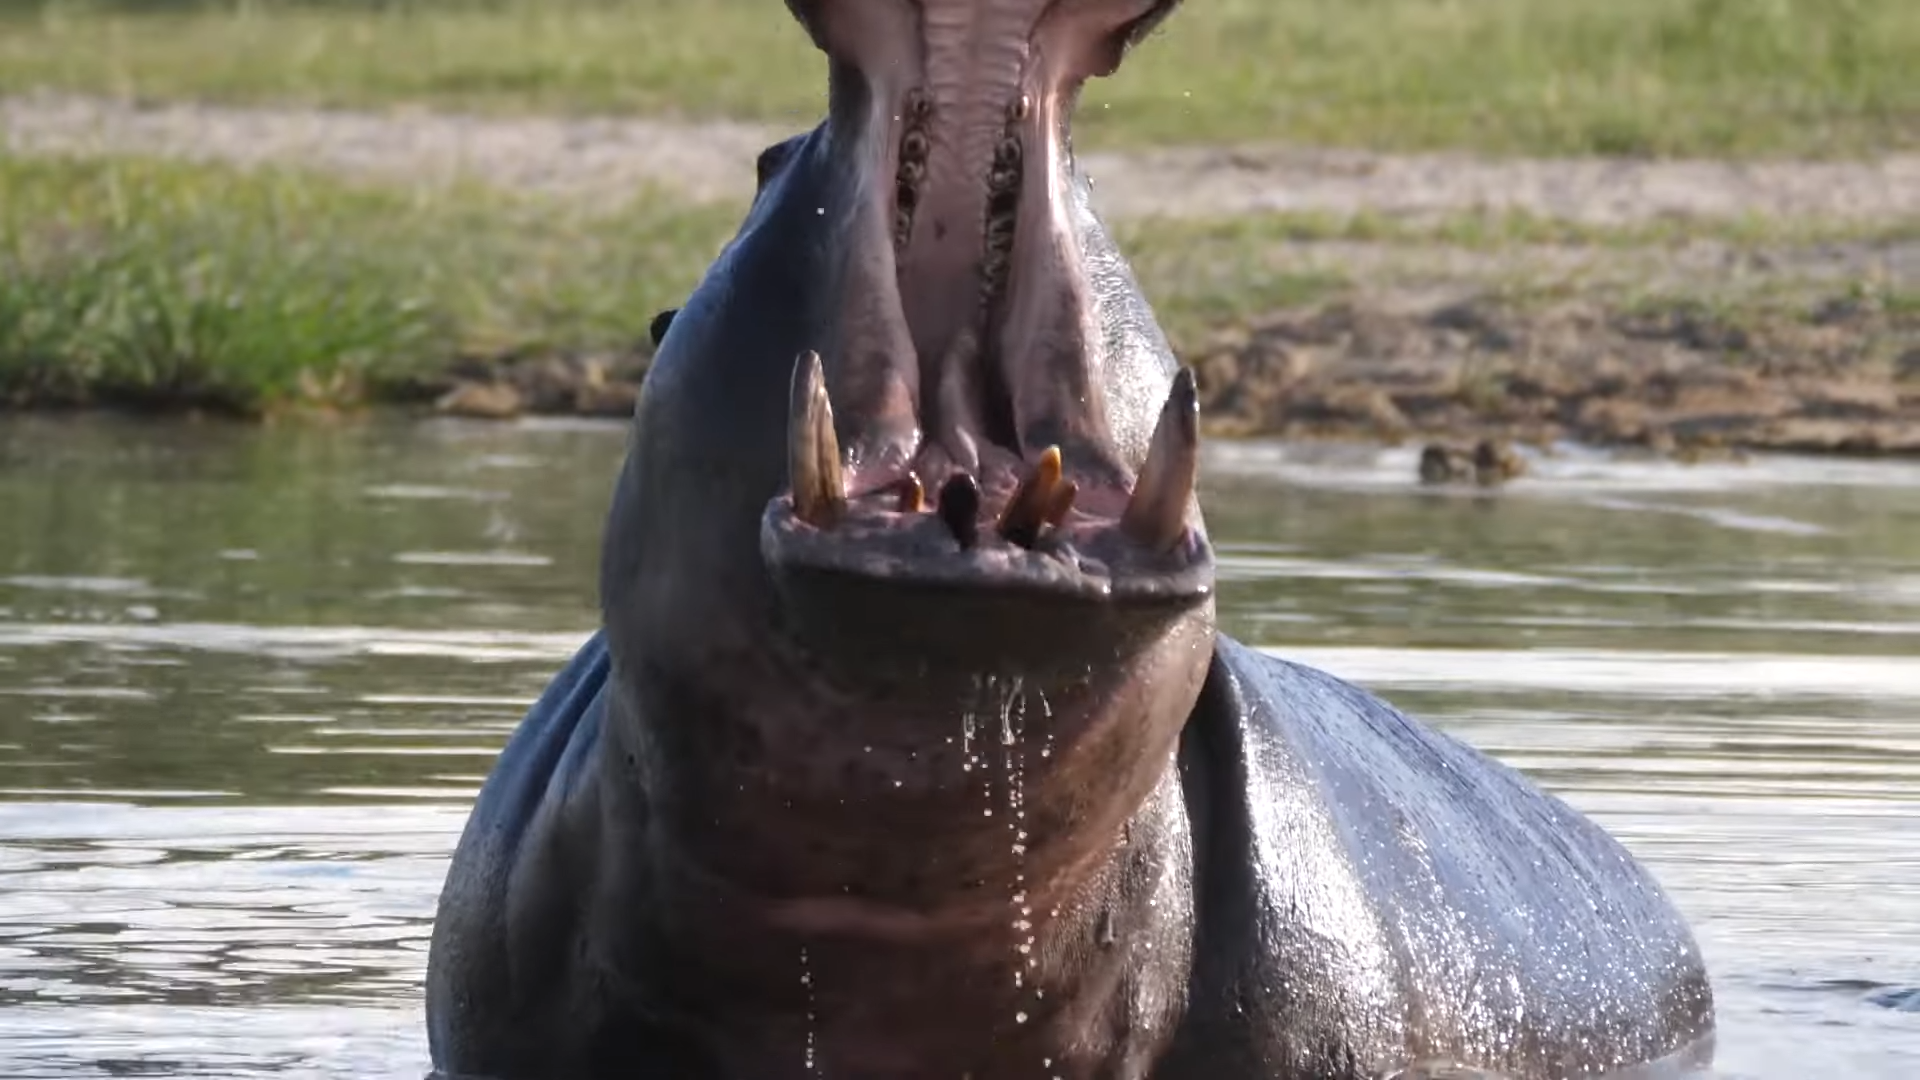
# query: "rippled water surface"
249,680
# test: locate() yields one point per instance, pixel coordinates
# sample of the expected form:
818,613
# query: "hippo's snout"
961,423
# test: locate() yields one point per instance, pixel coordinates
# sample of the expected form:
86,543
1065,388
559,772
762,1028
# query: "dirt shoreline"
610,158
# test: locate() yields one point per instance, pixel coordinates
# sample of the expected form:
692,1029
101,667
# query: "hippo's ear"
770,161
657,329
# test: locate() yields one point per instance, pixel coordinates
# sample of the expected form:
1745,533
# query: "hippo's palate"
1012,524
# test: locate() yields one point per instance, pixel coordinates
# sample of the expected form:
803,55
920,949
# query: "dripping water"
967,725
1046,721
1012,708
813,1018
990,691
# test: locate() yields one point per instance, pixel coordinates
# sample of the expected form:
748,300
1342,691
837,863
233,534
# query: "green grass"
1204,274
148,283
1494,230
143,283
1723,77
140,282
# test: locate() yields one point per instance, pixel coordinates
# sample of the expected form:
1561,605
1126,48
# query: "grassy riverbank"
165,285
1688,77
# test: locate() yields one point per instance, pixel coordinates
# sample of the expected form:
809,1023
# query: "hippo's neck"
1076,971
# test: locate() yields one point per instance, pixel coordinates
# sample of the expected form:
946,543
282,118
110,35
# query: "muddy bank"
503,388
1671,378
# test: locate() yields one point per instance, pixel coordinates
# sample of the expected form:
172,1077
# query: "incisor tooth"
1156,516
813,452
959,508
1024,514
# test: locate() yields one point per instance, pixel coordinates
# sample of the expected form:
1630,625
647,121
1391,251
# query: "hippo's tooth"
913,495
813,452
1063,496
960,508
1156,516
1024,514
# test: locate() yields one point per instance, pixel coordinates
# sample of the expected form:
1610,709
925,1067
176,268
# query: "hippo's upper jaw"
960,426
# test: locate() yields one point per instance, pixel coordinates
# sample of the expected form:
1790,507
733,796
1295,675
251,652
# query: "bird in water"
1489,463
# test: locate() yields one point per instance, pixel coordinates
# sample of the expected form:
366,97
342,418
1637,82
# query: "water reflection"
249,678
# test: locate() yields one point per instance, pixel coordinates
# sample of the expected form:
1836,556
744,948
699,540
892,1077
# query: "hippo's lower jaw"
1051,558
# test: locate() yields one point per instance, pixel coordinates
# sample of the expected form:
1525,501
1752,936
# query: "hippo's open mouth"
1008,524
987,436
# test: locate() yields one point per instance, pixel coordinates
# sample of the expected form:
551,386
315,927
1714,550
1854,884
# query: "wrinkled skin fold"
908,746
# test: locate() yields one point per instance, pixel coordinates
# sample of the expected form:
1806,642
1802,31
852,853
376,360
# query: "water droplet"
806,980
1019,1018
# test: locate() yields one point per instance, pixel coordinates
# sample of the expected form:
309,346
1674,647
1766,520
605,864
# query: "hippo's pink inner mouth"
987,434
1009,523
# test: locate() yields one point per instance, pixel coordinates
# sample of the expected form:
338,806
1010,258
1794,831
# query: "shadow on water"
250,677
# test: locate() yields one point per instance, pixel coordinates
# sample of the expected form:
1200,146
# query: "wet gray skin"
908,747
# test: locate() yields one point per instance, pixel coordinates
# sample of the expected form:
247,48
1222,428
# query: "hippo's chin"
926,619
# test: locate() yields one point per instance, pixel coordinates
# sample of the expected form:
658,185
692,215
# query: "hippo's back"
1373,892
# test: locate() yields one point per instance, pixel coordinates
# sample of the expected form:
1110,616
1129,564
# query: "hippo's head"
911,483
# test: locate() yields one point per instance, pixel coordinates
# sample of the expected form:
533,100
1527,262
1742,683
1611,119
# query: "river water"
250,678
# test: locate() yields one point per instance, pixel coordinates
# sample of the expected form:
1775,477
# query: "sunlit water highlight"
249,680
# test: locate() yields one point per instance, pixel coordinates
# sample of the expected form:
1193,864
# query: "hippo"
907,745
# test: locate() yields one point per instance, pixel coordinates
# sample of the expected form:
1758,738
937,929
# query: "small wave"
1618,672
